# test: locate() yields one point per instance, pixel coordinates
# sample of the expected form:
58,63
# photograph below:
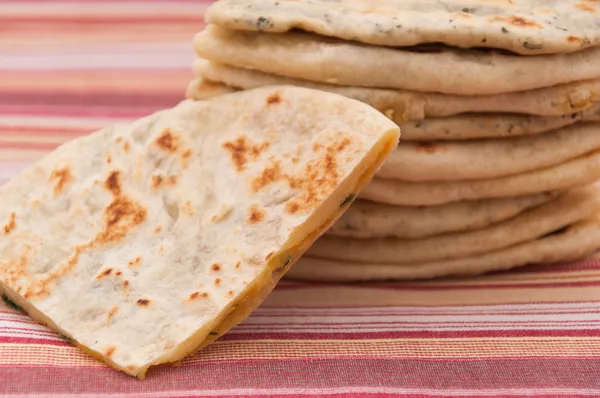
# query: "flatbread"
367,219
574,243
445,70
566,99
476,125
575,172
524,27
573,206
145,241
482,159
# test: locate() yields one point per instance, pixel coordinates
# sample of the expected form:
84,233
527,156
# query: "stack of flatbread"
499,108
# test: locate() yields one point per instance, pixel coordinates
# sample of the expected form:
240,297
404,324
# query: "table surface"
69,68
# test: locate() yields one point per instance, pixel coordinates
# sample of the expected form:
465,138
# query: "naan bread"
146,241
524,27
565,99
475,125
575,172
482,159
573,243
375,220
573,206
441,70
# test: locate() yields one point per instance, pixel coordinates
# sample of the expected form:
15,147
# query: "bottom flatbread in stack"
144,242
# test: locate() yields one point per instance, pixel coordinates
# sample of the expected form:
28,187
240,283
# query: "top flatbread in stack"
145,241
523,27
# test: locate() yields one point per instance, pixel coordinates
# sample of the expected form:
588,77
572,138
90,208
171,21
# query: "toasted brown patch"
268,176
118,273
104,273
168,142
62,178
112,313
159,181
197,296
241,149
256,215
573,39
134,262
157,229
343,144
126,147
217,281
273,99
187,154
110,351
237,265
216,267
11,225
585,7
518,21
143,302
121,215
187,208
230,293
119,139
108,159
292,207
125,284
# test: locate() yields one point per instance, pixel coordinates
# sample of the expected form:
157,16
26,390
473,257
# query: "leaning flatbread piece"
564,99
441,70
146,241
573,243
524,27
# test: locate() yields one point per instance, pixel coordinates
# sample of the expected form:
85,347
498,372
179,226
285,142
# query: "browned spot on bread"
158,181
268,175
62,178
112,313
113,183
121,215
197,295
317,147
187,208
318,177
157,229
104,273
586,7
187,154
118,273
143,302
217,281
216,267
110,351
119,139
292,207
125,284
230,293
134,262
126,147
425,147
108,159
269,255
241,149
11,225
518,21
273,99
256,215
573,39
343,144
168,142
237,265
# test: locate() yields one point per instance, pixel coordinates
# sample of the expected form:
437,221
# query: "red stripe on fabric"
104,20
280,374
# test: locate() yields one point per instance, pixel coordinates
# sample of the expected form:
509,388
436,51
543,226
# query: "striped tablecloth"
68,68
